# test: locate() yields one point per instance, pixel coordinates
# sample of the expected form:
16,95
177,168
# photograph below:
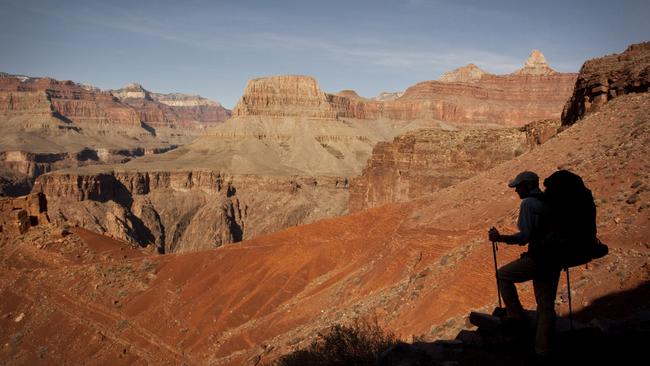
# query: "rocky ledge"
191,209
605,78
421,162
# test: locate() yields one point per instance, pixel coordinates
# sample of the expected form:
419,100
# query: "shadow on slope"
601,342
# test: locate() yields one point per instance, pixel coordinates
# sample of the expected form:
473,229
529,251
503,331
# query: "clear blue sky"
213,47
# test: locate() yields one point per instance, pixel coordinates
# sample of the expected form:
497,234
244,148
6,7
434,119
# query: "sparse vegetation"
359,343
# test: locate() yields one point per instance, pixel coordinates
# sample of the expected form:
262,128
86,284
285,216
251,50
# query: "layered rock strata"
188,210
284,96
470,96
605,78
49,124
421,162
175,110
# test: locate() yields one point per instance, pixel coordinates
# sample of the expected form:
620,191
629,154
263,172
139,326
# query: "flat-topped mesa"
536,64
284,96
605,78
466,74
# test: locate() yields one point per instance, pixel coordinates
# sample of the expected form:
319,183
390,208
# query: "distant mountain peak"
134,87
464,74
536,64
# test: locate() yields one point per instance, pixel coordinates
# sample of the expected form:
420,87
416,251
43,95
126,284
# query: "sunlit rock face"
49,124
605,78
421,162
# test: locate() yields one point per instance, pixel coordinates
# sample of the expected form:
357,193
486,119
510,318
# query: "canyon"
288,154
418,266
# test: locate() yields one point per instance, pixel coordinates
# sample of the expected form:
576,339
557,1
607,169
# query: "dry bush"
359,343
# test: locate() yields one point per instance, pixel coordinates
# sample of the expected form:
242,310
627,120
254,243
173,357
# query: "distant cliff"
421,162
605,78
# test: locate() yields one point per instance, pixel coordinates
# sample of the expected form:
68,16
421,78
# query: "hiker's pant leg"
545,285
520,270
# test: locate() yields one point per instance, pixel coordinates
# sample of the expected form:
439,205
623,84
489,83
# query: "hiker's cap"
523,177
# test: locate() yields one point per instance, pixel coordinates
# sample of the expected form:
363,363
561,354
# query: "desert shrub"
359,343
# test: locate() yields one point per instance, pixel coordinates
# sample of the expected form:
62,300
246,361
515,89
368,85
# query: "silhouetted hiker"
532,212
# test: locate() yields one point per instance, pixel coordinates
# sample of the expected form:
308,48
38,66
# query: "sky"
213,48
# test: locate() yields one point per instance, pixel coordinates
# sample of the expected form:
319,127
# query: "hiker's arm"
525,223
517,238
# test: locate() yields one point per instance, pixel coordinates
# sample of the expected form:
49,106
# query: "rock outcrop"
421,162
17,215
605,78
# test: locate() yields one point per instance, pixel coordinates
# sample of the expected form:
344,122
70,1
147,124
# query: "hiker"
545,278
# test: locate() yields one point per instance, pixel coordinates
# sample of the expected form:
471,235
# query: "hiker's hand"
494,235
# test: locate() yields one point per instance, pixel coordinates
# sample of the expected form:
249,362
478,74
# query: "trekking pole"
568,287
496,269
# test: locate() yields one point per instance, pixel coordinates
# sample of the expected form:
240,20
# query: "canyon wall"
175,110
471,96
49,124
605,78
188,210
421,162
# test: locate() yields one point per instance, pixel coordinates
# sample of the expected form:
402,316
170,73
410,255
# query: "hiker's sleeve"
524,223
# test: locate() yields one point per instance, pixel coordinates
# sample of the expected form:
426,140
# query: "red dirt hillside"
421,266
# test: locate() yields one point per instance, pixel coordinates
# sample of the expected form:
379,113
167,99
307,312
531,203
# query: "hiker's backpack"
571,226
